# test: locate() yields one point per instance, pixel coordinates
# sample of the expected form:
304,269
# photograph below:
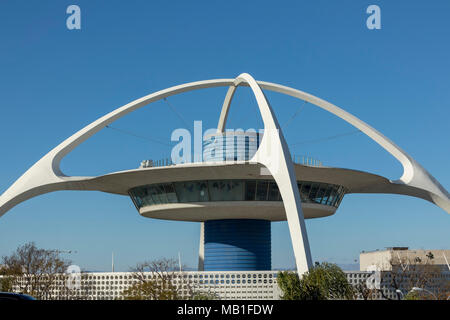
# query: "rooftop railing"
306,161
298,159
156,163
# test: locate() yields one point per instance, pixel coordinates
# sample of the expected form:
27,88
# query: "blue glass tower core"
231,146
237,244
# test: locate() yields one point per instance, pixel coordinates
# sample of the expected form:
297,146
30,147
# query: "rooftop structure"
385,260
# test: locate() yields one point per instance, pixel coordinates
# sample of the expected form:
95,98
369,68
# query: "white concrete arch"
414,174
273,153
45,175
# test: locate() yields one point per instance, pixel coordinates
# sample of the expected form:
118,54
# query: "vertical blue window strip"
237,244
247,143
229,147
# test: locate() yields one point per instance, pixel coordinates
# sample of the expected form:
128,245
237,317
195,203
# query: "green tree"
33,270
6,283
204,296
412,295
322,282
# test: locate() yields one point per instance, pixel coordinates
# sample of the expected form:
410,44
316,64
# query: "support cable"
294,115
326,138
320,139
139,136
177,113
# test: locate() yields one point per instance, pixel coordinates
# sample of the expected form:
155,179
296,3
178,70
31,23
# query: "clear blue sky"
54,81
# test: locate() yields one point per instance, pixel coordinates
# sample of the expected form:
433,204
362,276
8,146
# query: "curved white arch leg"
45,175
414,174
274,154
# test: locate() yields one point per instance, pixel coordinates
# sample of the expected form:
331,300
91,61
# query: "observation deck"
237,212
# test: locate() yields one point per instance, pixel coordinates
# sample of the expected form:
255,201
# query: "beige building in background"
383,260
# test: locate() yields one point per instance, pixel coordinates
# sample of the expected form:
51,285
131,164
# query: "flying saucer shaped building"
244,181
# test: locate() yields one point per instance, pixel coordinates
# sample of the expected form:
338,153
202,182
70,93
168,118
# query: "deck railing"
298,159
